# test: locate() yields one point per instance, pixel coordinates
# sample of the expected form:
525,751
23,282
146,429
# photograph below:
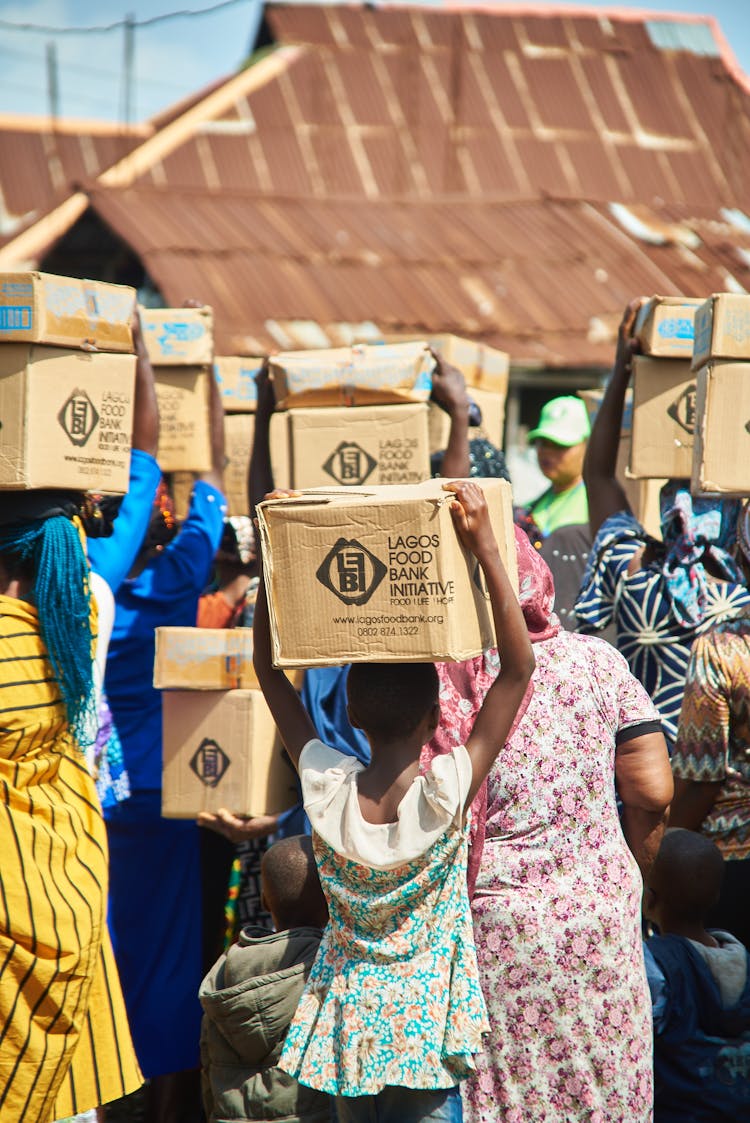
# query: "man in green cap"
560,439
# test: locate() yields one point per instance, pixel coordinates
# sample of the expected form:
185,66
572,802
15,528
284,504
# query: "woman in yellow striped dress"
64,1041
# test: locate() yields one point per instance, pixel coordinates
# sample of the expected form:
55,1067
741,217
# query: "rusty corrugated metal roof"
515,174
544,280
41,161
424,103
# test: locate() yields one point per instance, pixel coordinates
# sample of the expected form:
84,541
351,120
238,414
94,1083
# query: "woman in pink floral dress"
557,902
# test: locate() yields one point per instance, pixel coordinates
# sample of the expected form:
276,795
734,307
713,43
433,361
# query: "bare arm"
292,719
645,786
605,494
693,799
498,711
215,475
146,406
449,391
260,472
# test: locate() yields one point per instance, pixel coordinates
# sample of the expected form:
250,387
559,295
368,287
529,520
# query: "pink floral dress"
557,904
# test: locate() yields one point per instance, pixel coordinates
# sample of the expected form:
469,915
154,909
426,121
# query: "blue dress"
656,646
155,901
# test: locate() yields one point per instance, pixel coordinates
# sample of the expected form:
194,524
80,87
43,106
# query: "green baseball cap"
564,421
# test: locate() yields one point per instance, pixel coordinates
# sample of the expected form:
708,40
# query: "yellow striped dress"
64,1040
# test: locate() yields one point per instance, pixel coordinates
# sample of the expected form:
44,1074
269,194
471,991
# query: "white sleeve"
447,783
322,771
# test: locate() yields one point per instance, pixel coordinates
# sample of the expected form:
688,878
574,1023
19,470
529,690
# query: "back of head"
388,700
40,544
290,885
686,876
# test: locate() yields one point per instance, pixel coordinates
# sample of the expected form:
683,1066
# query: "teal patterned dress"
393,997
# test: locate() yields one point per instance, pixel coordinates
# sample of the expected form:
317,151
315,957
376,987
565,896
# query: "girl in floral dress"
392,1014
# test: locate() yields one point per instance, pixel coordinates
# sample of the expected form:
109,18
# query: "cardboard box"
663,418
178,336
665,326
353,376
181,488
722,329
239,433
204,659
721,453
235,377
378,575
184,395
486,371
362,445
66,418
221,749
207,659
65,312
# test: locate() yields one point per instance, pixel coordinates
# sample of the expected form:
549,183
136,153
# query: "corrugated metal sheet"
40,164
544,280
421,103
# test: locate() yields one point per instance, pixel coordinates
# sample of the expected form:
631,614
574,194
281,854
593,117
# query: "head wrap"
46,540
237,541
536,590
694,529
743,530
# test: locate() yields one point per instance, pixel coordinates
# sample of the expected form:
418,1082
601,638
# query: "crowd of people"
514,889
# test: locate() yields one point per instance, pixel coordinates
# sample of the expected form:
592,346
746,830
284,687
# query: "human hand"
191,302
627,344
448,386
139,346
238,828
281,493
471,518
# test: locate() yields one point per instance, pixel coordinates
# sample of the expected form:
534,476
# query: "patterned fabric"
713,740
393,997
65,1040
693,528
557,910
536,591
110,774
649,635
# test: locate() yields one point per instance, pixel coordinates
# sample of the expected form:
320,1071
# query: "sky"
174,58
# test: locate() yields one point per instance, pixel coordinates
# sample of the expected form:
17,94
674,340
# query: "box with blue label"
65,312
665,326
388,373
66,418
235,377
722,329
378,574
178,336
663,418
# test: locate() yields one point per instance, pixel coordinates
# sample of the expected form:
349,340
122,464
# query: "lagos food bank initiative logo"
682,409
78,417
349,464
351,572
209,762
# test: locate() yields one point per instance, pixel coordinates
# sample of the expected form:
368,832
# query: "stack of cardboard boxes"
220,745
721,362
664,390
67,383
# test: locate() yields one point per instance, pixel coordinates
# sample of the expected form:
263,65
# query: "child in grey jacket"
250,995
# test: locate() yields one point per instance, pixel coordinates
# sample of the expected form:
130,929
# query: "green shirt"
565,508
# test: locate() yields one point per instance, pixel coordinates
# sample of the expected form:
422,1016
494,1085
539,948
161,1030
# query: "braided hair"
49,550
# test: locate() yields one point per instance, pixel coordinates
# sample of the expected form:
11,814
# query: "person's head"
685,880
290,887
162,525
560,439
237,552
743,541
42,559
391,701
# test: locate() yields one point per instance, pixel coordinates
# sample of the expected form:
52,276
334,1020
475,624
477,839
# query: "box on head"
378,574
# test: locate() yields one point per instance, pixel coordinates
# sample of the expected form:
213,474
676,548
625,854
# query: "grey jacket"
249,998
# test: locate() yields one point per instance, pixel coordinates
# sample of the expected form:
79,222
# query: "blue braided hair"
51,550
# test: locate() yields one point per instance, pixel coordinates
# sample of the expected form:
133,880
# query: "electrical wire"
45,29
